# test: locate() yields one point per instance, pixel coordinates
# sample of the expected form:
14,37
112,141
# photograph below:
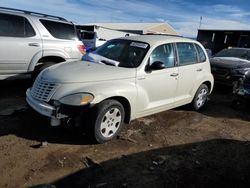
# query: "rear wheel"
41,67
200,97
106,121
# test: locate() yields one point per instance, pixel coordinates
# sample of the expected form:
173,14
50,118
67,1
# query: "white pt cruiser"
125,79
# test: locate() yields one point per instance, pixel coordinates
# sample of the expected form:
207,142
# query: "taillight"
82,48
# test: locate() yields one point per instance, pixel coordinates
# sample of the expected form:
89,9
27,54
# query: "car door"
157,88
190,70
18,44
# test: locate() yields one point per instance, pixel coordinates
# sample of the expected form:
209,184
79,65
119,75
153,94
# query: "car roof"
156,39
34,15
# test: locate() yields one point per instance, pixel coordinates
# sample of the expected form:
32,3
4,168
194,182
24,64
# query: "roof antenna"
200,22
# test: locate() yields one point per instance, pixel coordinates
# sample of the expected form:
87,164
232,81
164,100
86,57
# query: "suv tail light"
82,48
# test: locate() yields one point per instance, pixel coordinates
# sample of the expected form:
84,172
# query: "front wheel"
107,120
200,97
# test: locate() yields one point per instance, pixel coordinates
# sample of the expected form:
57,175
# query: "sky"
184,16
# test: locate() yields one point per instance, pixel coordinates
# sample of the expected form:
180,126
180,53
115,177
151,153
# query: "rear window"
15,26
60,30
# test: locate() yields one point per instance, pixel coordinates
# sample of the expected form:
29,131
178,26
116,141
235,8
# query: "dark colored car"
241,91
229,65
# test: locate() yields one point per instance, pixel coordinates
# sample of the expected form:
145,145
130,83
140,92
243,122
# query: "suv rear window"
60,30
15,26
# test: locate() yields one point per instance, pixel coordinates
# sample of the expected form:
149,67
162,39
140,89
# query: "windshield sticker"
139,45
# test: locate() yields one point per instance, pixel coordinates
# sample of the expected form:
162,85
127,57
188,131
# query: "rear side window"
15,26
187,53
60,30
201,54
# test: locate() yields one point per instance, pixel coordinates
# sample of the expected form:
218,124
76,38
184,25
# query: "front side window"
165,54
15,26
60,30
187,53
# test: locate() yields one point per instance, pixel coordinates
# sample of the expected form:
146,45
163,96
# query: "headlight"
77,99
242,71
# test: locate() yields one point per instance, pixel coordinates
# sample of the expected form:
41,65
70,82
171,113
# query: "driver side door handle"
174,74
34,44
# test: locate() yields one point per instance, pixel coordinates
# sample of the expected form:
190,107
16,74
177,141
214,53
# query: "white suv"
31,41
124,79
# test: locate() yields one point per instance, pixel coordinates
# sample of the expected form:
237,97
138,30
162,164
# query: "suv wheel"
107,121
41,67
200,97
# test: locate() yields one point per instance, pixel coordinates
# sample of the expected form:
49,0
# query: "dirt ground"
176,148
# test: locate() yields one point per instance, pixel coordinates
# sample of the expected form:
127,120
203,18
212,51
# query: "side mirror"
247,75
157,65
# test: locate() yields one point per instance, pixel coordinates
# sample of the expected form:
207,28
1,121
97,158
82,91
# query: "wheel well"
51,59
208,84
126,105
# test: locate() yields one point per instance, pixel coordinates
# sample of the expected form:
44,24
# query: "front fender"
102,91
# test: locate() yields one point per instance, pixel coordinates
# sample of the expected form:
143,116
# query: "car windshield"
233,52
118,52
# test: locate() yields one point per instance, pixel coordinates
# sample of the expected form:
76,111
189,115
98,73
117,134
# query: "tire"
106,121
200,97
39,68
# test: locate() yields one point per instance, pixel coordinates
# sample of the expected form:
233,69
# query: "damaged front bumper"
45,109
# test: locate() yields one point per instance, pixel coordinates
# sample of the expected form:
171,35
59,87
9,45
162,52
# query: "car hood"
229,62
84,71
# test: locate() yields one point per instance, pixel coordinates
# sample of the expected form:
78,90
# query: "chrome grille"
43,90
